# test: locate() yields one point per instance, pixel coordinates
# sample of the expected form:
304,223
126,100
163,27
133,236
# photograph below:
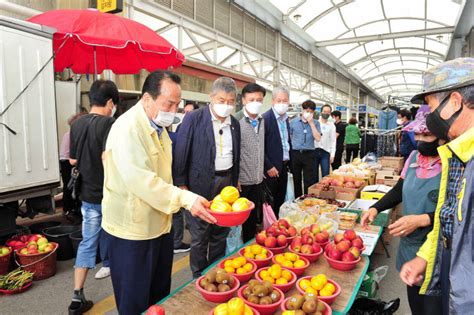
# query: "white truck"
29,157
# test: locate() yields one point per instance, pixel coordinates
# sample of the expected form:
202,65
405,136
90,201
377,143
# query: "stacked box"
392,162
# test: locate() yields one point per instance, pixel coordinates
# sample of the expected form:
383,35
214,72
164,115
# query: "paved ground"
52,296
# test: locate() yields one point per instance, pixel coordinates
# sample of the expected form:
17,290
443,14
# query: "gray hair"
223,84
467,93
280,89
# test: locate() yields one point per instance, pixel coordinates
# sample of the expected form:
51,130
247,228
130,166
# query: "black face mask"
439,126
325,116
428,148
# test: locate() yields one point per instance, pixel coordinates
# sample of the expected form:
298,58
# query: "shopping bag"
268,216
290,189
234,240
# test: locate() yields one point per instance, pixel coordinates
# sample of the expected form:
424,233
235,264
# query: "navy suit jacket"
273,147
195,152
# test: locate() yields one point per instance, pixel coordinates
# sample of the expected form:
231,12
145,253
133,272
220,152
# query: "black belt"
446,242
223,173
304,151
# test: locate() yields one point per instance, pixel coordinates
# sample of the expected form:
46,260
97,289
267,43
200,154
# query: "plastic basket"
43,265
5,262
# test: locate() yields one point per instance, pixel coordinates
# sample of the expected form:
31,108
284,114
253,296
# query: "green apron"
420,196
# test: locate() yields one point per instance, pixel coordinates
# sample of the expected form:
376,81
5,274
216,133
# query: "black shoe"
78,308
183,248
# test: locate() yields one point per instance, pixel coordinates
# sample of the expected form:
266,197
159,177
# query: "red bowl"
327,311
278,250
341,265
19,290
228,219
283,287
56,245
217,297
297,271
328,299
255,312
259,262
290,239
243,277
263,309
311,257
323,244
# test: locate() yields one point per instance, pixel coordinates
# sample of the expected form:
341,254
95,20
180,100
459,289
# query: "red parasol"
88,41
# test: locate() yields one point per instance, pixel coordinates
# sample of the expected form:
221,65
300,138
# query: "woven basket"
5,262
43,265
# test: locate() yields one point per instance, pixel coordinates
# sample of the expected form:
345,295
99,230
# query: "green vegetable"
15,280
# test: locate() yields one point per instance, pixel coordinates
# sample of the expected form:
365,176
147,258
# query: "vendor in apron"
418,188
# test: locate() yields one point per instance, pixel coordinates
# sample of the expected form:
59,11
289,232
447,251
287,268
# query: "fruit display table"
187,296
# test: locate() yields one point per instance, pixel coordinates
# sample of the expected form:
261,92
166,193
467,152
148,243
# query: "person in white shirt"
326,147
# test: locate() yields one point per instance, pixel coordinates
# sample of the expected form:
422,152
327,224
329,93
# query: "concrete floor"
52,296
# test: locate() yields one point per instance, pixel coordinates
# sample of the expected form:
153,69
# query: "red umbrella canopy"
121,45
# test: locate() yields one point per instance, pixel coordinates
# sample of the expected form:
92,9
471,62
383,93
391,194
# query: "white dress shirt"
328,138
284,134
223,139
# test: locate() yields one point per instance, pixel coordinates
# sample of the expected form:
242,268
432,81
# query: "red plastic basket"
19,290
5,262
234,218
43,265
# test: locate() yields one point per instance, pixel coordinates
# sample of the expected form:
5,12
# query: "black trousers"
445,281
178,227
337,158
303,162
277,186
423,304
69,204
140,271
351,150
208,241
253,193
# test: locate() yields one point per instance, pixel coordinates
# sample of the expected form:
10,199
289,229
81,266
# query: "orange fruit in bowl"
249,255
304,284
229,269
299,263
240,271
269,279
260,256
287,275
256,249
287,264
322,278
264,274
325,292
228,263
291,257
275,273
331,288
311,290
248,267
281,281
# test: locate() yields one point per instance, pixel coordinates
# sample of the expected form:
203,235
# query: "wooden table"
188,299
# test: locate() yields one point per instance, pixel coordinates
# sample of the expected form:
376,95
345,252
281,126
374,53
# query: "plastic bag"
380,273
268,216
234,240
365,306
370,158
290,189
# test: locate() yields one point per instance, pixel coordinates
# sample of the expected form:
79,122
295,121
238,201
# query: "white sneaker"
103,272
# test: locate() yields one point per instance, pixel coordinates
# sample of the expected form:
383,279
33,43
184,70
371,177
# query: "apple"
315,229
329,247
281,240
305,230
24,251
355,252
31,246
284,223
272,231
335,254
155,310
349,185
33,238
41,247
350,235
343,246
322,237
347,256
325,233
4,251
42,240
358,243
316,247
338,237
49,247
306,249
260,239
270,242
296,244
292,231
32,251
358,183
307,239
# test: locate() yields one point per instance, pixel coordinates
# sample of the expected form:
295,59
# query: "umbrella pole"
95,64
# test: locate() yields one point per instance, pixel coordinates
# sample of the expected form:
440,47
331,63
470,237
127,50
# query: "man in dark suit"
277,146
205,160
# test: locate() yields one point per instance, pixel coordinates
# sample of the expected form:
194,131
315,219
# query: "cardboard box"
366,179
392,162
361,205
313,190
388,180
350,194
374,192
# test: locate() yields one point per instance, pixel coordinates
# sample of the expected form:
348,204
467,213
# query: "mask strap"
454,116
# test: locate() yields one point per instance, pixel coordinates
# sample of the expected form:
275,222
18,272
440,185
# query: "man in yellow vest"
140,199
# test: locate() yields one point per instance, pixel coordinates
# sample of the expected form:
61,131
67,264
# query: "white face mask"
222,110
307,116
164,119
114,109
281,108
253,107
399,121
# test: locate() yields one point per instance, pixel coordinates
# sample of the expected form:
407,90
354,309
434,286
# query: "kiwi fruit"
220,270
320,307
223,287
253,299
210,287
253,283
247,292
260,290
268,285
310,296
211,276
275,295
231,281
203,282
299,312
266,300
309,306
222,278
295,302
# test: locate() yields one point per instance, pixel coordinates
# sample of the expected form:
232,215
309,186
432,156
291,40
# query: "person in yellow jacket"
445,262
140,199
